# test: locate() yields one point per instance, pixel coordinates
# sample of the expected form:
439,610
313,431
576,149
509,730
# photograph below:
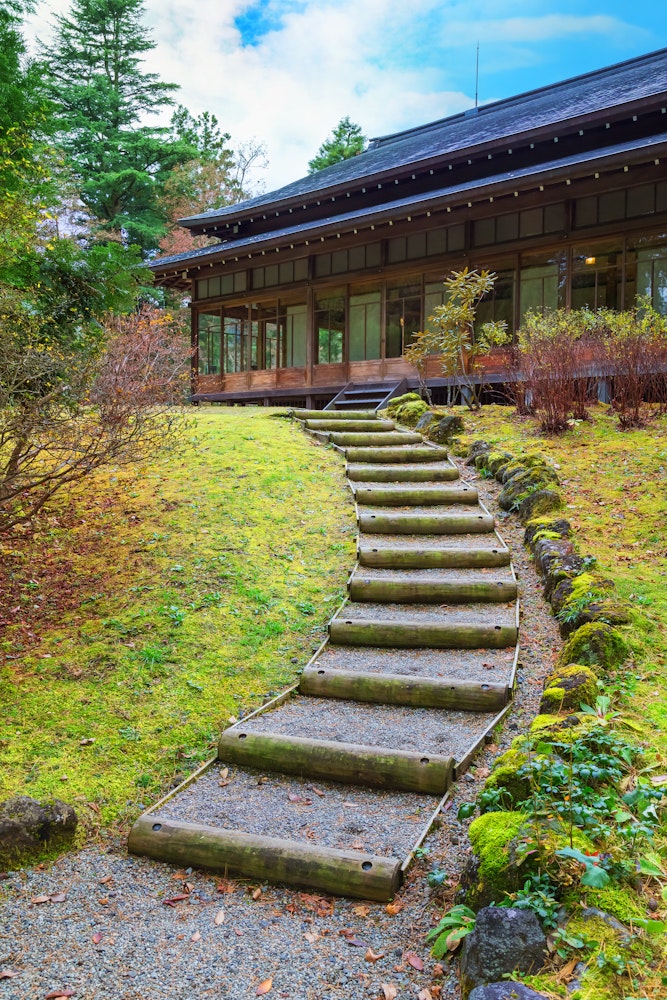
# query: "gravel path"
313,948
466,664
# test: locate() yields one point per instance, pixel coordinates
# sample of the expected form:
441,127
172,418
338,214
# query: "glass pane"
396,250
484,232
234,331
436,241
652,276
323,265
373,255
434,295
507,227
417,245
294,355
554,218
394,331
271,275
240,281
301,269
586,211
339,262
456,238
357,258
641,200
612,206
209,330
286,272
365,333
532,222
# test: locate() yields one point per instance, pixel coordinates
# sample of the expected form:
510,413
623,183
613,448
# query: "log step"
432,552
294,862
421,472
356,426
335,414
422,453
399,689
464,665
379,439
349,763
414,496
424,521
477,626
445,586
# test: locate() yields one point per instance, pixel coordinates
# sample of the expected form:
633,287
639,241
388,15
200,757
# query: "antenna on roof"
477,77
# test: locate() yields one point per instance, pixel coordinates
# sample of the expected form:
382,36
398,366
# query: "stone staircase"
333,785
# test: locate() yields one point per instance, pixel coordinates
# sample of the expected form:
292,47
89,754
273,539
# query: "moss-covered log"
433,591
420,635
425,524
401,474
335,414
396,454
401,689
300,863
329,760
428,558
415,496
374,439
351,426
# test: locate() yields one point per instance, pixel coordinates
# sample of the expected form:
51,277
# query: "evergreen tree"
345,141
101,93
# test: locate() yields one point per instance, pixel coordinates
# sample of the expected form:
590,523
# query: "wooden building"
561,191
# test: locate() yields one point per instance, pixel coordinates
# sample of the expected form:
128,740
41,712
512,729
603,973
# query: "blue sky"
285,71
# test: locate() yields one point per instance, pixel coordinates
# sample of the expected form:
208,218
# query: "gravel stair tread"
413,684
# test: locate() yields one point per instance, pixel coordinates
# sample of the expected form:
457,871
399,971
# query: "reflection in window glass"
596,277
292,327
498,305
365,324
330,325
542,283
402,315
235,324
652,276
208,331
267,323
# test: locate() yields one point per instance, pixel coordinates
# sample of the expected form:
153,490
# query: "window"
292,328
234,346
330,326
208,333
267,331
498,305
355,259
226,284
542,282
403,314
596,276
365,323
652,276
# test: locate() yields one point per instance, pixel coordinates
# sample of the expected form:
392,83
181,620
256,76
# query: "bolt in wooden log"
428,558
329,760
395,454
379,439
382,496
434,591
420,635
335,414
424,524
395,473
300,863
402,689
351,426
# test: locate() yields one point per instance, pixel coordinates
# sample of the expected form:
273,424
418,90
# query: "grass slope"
144,612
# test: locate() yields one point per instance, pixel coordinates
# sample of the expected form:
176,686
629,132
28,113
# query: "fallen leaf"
357,846
256,893
107,878
40,899
390,992
238,932
8,973
175,899
224,773
361,911
86,742
424,995
318,791
310,937
58,897
355,942
56,994
370,956
298,798
264,987
393,908
97,937
223,784
219,918
414,960
436,990
104,901
263,780
225,886
438,970
196,936
482,772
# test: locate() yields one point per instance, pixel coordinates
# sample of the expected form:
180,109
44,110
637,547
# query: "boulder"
595,644
29,827
477,448
568,688
398,401
493,871
503,941
410,413
425,421
505,991
445,429
523,485
556,560
547,528
542,501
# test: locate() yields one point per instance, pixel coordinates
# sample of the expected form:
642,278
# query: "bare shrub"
64,414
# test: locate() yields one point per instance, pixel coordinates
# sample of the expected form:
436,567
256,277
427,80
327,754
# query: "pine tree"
345,141
101,94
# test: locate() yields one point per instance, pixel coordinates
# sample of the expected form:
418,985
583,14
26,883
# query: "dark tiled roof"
232,247
614,86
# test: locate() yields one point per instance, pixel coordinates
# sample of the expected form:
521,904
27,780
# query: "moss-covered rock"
515,787
410,413
568,688
550,728
539,502
546,526
475,449
398,401
530,461
28,828
425,422
445,429
595,644
556,560
494,460
494,871
523,484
